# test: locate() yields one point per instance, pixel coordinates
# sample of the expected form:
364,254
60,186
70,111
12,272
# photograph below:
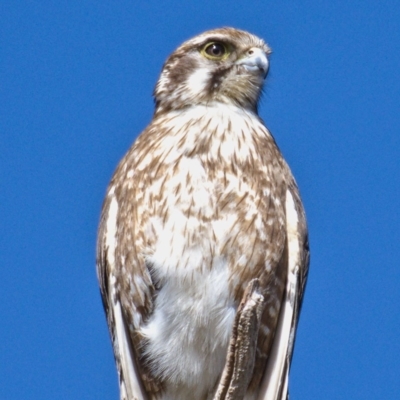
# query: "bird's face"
223,65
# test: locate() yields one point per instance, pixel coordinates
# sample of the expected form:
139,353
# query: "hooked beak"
255,60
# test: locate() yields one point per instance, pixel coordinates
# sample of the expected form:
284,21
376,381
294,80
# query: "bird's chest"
207,197
201,218
205,194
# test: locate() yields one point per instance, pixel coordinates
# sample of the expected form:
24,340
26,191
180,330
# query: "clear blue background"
75,90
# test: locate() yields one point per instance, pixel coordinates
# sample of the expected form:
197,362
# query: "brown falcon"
201,204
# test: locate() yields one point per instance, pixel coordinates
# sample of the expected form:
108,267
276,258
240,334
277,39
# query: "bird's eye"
215,51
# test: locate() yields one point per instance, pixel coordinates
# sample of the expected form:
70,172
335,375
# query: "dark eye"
215,51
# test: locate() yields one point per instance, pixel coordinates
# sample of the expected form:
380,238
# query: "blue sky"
76,84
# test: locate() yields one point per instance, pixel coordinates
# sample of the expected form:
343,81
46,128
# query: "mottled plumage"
202,203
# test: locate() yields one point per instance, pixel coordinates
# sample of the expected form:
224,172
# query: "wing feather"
275,381
131,387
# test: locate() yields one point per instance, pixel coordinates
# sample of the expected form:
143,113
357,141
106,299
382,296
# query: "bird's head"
223,65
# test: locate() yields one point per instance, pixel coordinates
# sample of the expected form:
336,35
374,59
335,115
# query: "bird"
201,204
